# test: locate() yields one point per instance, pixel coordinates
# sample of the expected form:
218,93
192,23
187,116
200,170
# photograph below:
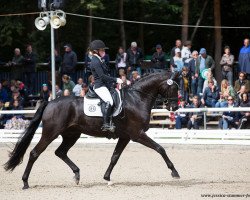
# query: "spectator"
2,117
186,53
67,83
58,91
195,119
192,65
17,65
242,81
30,59
226,63
229,119
181,119
135,77
209,77
121,61
204,62
245,115
45,93
84,90
16,106
158,60
210,95
105,59
184,84
87,70
125,82
66,92
176,64
16,96
69,62
244,58
135,58
3,94
78,87
58,63
178,44
226,90
240,92
91,82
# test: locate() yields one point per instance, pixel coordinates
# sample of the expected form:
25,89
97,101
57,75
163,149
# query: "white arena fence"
160,135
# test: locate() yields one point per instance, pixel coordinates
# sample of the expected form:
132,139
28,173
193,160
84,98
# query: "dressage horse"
64,116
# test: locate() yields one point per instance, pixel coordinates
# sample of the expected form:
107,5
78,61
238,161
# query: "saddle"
92,103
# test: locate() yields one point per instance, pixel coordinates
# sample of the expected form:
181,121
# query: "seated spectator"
67,83
16,106
184,84
84,90
16,96
158,60
121,61
125,82
135,77
225,91
229,119
181,119
45,93
239,94
78,87
3,94
226,63
209,77
91,82
242,81
195,119
2,117
66,92
245,116
58,92
177,63
210,95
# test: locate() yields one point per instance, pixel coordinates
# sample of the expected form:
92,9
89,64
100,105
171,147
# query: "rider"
103,81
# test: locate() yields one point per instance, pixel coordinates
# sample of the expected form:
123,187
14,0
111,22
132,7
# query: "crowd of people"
198,86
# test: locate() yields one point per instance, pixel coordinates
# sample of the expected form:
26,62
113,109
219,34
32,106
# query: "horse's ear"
174,76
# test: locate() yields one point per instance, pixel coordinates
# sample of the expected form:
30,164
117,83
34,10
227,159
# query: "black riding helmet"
96,45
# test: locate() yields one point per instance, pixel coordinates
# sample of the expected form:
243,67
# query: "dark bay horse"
64,116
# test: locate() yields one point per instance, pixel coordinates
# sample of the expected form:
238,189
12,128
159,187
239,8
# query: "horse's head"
169,91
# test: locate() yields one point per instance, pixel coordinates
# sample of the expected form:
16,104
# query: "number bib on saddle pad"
92,106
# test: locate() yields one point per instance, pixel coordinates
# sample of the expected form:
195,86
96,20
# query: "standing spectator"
229,119
176,64
105,59
226,63
87,70
135,77
192,65
58,63
17,65
181,119
186,53
135,58
69,62
45,93
204,62
195,119
158,60
242,81
184,84
210,95
3,94
67,83
178,44
30,59
121,61
78,87
244,58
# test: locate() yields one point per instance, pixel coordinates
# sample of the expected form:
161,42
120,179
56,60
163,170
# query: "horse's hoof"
106,178
77,178
175,174
25,187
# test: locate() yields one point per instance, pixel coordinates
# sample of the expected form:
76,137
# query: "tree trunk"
89,28
217,39
199,20
122,28
185,10
141,29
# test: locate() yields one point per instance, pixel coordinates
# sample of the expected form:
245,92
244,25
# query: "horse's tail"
16,156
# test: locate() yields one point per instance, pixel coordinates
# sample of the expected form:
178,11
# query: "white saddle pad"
92,107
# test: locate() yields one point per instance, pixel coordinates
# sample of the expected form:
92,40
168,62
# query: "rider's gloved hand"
118,80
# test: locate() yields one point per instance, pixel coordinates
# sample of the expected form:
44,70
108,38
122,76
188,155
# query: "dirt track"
140,173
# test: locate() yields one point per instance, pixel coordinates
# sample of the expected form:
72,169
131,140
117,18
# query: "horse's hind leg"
62,151
121,144
147,141
34,154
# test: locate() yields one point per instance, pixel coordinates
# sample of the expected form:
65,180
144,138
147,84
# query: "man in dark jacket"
29,61
158,60
69,62
192,72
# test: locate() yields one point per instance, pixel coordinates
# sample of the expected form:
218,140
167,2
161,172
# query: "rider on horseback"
103,81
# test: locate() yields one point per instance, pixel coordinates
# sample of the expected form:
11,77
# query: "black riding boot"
107,112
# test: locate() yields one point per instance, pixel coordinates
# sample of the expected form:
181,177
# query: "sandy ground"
140,173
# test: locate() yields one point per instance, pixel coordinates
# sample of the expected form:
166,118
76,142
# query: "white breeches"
104,94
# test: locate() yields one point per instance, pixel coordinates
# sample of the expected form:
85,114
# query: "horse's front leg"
148,142
120,146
